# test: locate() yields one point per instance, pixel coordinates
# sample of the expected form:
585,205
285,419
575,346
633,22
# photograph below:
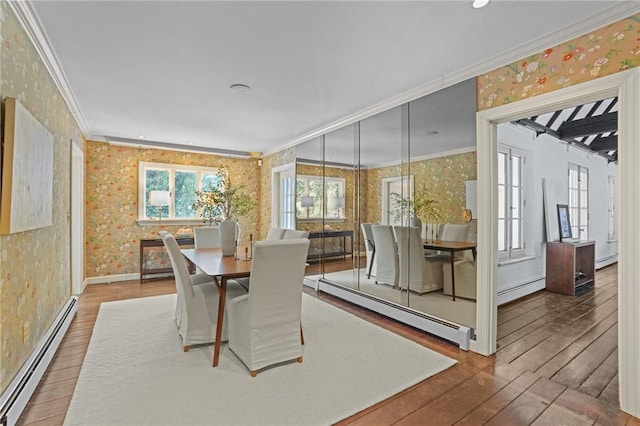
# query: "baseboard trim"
454,333
520,290
606,261
106,279
16,396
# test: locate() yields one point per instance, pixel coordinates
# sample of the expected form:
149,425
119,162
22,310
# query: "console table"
343,249
146,273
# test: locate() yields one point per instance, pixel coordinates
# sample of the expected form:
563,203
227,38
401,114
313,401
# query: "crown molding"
168,146
30,22
609,16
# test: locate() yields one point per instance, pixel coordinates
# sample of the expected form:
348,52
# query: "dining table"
451,247
221,269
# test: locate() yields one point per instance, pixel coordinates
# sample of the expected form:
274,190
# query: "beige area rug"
462,311
135,372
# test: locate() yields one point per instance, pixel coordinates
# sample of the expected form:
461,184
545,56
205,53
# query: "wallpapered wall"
268,163
112,234
35,277
444,176
602,52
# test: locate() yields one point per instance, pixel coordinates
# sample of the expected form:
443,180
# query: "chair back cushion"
386,254
183,282
277,272
411,255
290,234
368,236
275,234
454,232
206,237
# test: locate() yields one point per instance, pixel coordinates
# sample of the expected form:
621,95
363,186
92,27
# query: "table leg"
473,250
222,289
373,258
453,277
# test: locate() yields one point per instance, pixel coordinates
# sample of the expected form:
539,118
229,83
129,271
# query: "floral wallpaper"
602,52
268,163
444,176
112,233
35,279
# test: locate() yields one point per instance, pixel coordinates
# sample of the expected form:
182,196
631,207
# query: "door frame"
77,219
626,86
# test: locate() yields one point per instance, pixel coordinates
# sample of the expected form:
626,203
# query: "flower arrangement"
421,205
224,200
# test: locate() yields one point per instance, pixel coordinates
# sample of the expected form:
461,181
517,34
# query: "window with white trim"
611,209
579,201
182,181
511,202
333,191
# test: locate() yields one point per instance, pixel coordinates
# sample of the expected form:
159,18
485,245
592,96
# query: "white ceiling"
163,69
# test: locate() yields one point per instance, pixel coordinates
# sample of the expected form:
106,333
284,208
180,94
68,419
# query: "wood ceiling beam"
609,143
570,130
537,127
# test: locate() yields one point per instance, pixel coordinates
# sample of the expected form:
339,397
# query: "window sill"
155,222
506,262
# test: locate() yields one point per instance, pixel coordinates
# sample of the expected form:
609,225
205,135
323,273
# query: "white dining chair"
206,237
197,305
417,273
386,255
264,325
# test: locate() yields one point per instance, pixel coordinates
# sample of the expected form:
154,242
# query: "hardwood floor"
556,364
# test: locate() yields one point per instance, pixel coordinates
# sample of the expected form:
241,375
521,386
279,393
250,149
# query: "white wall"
549,158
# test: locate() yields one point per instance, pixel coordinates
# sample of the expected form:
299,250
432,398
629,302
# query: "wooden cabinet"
571,267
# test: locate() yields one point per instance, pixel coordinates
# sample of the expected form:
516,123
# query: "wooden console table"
332,234
157,242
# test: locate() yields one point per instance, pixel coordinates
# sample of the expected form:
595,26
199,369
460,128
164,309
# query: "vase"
415,222
228,236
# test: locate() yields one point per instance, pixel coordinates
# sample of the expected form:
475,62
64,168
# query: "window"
402,188
511,202
181,181
311,186
579,201
611,209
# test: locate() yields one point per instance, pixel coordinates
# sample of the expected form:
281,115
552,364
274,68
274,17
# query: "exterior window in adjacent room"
181,181
332,191
579,201
611,209
511,202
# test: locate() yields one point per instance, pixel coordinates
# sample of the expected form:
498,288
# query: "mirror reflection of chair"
370,249
417,273
275,234
464,269
197,304
386,255
290,234
264,325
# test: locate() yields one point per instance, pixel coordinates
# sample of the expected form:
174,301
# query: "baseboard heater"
452,332
19,391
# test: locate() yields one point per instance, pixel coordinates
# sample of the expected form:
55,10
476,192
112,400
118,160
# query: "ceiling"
163,69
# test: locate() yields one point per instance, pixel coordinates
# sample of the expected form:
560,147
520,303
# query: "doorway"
625,85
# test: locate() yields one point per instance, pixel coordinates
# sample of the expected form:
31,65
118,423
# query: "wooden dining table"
221,269
451,247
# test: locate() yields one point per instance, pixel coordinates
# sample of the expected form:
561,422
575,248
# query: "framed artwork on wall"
564,223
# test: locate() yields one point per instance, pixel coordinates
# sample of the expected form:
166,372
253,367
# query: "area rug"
135,372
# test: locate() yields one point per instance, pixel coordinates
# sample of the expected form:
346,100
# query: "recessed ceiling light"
240,87
140,136
190,142
477,4
233,147
430,133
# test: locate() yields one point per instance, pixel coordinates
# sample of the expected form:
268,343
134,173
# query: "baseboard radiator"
19,391
458,334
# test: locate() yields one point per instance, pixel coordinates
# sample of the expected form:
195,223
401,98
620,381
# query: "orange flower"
567,56
542,80
547,53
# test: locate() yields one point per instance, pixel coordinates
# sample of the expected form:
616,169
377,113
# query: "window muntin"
579,201
182,181
511,202
334,188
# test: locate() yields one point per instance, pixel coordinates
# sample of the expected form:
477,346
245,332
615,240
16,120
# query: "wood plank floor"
556,364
